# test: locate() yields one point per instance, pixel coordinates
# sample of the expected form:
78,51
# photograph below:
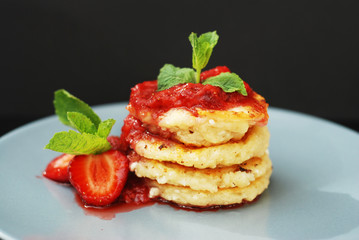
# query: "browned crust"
206,208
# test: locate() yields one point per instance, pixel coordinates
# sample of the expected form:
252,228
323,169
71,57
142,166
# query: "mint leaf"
229,82
170,76
65,102
202,50
92,138
72,142
82,123
105,127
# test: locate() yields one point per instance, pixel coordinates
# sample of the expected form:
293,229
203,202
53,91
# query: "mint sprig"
91,137
202,50
202,47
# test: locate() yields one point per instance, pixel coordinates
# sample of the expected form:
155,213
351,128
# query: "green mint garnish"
202,50
91,138
80,122
65,102
229,82
202,47
75,143
105,127
170,76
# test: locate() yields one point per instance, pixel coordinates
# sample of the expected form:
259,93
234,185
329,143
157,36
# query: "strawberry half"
214,72
99,179
57,169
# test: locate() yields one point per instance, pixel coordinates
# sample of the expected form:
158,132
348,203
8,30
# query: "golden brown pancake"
194,198
239,175
254,144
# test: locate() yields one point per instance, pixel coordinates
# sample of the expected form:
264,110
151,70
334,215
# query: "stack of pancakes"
209,159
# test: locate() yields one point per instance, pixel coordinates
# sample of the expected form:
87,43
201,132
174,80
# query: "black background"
300,55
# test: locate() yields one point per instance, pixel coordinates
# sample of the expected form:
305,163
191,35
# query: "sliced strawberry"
214,72
115,142
99,179
57,169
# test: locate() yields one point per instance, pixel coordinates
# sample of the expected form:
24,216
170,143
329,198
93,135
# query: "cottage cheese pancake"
227,196
196,114
254,144
210,127
211,180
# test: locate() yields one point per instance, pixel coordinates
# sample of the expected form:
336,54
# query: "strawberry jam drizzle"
135,195
108,213
133,131
214,72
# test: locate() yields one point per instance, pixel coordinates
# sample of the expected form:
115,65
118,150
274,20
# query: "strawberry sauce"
147,105
108,213
133,196
146,99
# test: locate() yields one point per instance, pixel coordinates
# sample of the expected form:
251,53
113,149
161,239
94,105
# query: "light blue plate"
314,190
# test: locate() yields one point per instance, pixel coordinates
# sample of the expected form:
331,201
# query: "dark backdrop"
301,55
